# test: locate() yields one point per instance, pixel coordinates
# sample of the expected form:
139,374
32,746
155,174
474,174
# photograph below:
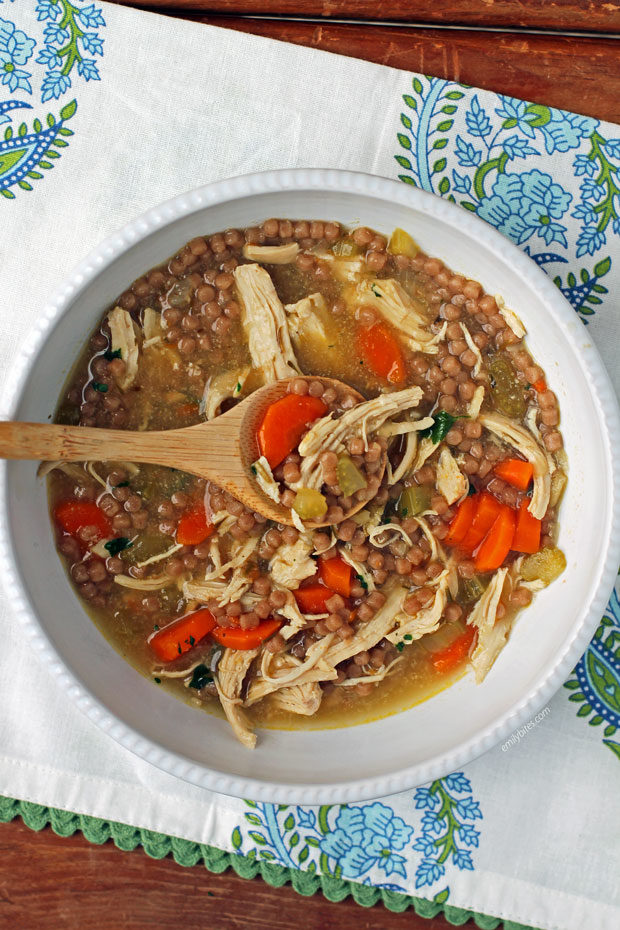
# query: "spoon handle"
72,443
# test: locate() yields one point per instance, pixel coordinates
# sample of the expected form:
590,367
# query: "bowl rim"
324,180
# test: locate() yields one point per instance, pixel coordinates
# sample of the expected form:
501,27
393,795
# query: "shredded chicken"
425,450
406,463
474,348
265,480
473,409
68,468
347,270
426,620
307,319
364,419
492,633
292,563
386,534
271,254
402,312
298,699
358,568
228,385
151,327
264,321
522,440
372,677
452,484
231,671
154,583
511,317
123,336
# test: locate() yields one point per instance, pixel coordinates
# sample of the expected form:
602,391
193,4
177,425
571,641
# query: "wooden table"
564,53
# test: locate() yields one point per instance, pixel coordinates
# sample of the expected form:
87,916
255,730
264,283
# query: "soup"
438,468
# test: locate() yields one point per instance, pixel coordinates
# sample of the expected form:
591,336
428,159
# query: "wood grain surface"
53,883
49,883
559,15
574,74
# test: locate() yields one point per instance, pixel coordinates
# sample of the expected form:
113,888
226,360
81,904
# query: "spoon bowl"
221,450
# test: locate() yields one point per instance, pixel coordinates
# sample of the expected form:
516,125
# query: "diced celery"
401,243
350,478
414,500
546,565
309,504
507,392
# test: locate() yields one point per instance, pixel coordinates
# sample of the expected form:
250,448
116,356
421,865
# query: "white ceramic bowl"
422,743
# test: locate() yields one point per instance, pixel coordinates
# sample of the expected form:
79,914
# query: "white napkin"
170,105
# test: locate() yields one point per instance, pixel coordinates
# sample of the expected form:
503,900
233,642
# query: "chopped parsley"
190,641
201,676
390,510
155,627
400,646
253,469
363,582
114,546
109,354
157,681
238,388
408,637
404,511
102,388
442,424
375,291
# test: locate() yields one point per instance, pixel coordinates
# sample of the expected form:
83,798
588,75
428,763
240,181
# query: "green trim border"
187,853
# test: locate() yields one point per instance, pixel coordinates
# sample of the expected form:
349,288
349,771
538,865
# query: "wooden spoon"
220,450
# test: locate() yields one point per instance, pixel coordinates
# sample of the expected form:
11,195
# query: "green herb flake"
238,388
201,676
442,424
114,546
191,641
375,291
156,627
363,582
408,637
404,512
109,354
157,681
102,388
253,469
179,650
400,646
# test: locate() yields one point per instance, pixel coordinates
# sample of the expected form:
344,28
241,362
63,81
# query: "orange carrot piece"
311,599
72,515
285,422
179,636
486,515
336,574
497,543
233,637
515,472
194,527
445,659
462,520
380,350
540,385
527,533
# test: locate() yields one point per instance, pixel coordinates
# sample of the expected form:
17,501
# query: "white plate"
401,751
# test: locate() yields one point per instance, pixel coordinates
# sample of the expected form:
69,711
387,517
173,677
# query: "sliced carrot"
445,659
312,598
515,472
527,533
486,515
540,385
73,515
194,527
285,422
336,574
497,543
179,636
380,350
234,637
462,520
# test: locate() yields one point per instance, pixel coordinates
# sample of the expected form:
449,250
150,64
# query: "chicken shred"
522,439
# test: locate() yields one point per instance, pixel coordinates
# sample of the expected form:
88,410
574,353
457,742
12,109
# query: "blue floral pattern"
480,156
68,47
370,843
